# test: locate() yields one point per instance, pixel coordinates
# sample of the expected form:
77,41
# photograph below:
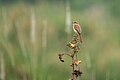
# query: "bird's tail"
80,37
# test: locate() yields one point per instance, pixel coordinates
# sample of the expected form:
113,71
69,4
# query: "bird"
77,29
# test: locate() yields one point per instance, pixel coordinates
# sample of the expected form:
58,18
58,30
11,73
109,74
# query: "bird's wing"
78,28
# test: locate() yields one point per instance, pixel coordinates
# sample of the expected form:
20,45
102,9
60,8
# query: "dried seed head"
77,73
71,45
60,57
76,62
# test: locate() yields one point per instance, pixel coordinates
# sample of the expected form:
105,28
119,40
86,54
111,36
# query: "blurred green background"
34,32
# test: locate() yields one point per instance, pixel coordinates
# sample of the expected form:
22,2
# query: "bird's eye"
75,22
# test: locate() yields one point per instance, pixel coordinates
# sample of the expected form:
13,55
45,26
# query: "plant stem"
73,66
73,69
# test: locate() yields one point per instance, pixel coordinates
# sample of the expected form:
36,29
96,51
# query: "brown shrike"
77,30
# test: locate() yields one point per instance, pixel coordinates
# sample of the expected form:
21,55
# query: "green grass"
99,51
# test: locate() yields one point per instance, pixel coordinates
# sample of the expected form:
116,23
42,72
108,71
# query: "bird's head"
75,22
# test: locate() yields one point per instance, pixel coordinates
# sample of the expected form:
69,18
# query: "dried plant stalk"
74,46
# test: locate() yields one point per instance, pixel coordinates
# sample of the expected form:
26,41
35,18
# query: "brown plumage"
77,29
